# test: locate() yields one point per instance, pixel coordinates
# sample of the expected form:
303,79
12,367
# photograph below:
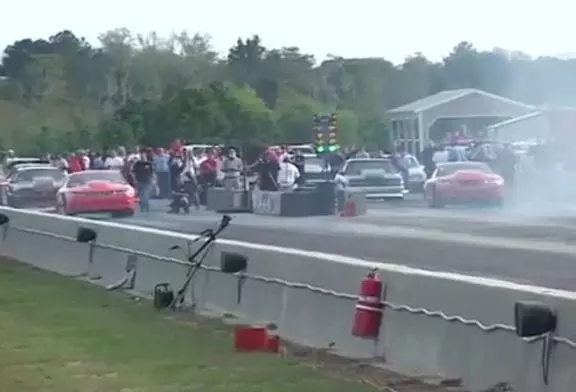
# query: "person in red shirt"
207,174
176,146
75,163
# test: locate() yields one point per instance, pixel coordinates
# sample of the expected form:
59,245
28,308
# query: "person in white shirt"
85,159
288,174
197,156
114,162
132,155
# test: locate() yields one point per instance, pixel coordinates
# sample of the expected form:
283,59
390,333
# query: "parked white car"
376,177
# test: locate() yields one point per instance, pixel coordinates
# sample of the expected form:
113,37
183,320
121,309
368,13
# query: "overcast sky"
360,28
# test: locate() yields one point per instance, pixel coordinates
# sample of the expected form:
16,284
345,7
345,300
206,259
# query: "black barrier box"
324,202
282,203
266,202
325,199
297,203
222,200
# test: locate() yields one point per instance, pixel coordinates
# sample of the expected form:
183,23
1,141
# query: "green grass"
59,335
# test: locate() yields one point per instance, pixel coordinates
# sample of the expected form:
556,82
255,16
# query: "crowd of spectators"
161,173
158,172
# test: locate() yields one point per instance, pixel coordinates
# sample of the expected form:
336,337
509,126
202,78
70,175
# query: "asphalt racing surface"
516,243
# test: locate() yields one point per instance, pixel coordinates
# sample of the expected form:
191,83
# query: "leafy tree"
348,127
251,121
374,132
44,141
294,116
149,89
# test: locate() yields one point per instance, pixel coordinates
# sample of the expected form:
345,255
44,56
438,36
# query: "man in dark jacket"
143,171
267,169
427,159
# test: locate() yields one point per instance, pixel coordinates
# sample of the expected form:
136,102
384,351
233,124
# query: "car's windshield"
451,168
83,178
314,165
30,175
355,168
302,149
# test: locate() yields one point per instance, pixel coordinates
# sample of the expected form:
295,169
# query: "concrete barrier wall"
420,334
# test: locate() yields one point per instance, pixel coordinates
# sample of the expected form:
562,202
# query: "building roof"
446,96
515,120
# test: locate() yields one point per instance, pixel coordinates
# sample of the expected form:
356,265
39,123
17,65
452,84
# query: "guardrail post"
5,231
240,286
88,236
284,306
91,250
534,320
128,280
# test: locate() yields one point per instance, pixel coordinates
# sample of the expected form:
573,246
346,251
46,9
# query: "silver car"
31,186
377,178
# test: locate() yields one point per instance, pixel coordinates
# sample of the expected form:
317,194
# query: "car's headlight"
130,192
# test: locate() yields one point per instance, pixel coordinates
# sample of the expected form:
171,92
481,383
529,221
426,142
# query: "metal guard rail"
303,286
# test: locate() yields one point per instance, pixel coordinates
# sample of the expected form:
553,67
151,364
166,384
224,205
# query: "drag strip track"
542,268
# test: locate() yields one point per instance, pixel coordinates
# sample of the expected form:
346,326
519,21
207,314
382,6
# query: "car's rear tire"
62,209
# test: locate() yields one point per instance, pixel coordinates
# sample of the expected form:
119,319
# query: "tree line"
63,93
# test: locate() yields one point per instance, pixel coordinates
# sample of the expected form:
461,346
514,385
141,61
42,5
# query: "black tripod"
209,236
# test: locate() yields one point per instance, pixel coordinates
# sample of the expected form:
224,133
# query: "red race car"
464,182
97,191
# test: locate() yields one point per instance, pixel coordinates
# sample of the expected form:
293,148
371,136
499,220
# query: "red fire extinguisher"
369,308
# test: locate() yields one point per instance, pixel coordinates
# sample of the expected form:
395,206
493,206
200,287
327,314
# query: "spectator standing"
288,174
63,163
427,159
75,163
232,168
207,174
190,182
335,161
113,161
86,162
399,161
133,155
198,156
267,169
281,153
143,176
99,161
175,169
300,163
162,171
